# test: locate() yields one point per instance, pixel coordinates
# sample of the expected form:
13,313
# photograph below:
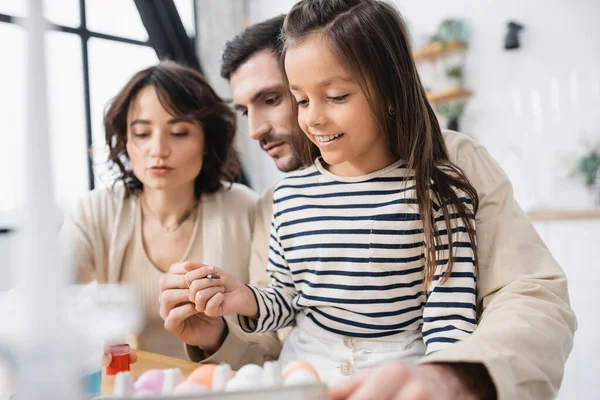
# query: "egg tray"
300,392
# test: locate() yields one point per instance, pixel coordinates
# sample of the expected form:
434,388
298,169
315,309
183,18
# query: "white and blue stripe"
349,253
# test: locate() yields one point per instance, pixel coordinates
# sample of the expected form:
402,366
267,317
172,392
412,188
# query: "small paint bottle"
119,362
120,359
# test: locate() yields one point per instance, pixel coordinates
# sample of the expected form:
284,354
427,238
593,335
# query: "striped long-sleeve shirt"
349,253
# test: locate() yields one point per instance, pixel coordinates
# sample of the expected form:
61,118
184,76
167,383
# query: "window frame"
84,35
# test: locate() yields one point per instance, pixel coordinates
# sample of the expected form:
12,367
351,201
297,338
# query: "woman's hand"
180,315
220,295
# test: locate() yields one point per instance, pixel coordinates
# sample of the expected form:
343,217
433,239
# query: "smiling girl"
372,252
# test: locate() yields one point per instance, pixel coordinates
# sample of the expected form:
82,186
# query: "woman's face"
166,151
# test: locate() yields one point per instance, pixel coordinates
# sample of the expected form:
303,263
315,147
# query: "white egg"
242,383
272,374
172,378
301,377
188,387
251,371
221,376
123,386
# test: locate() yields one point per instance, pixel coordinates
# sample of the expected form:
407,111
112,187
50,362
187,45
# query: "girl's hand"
223,294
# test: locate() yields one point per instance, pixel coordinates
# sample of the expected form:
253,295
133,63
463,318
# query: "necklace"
184,217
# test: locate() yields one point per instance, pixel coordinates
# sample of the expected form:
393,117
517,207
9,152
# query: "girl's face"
333,110
166,152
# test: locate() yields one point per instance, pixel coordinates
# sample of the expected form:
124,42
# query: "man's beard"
289,163
274,138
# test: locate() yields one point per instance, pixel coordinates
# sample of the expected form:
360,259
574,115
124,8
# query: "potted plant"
588,166
451,29
451,111
455,74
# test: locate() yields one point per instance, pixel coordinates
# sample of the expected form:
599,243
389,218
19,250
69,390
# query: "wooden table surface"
148,361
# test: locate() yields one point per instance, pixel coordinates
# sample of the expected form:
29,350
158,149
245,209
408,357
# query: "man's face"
260,94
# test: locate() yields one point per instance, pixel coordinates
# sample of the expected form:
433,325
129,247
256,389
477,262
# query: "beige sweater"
101,239
526,324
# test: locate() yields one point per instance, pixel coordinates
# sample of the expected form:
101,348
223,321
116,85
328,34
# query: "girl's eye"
141,135
179,134
338,99
301,103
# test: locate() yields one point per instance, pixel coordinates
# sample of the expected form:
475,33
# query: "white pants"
337,357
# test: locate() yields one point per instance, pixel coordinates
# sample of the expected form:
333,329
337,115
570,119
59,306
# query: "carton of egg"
214,378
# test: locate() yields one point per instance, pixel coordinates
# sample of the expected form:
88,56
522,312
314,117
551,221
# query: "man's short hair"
255,38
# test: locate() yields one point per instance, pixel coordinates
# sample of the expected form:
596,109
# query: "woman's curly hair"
184,93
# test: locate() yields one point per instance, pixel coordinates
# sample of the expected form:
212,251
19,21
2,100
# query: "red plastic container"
120,359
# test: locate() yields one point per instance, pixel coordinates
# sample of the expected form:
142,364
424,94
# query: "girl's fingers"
202,284
204,296
214,306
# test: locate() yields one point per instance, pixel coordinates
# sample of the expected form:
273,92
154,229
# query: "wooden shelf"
563,215
435,49
448,94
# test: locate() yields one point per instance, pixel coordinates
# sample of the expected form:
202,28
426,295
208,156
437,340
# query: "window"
187,13
62,12
13,8
115,17
66,115
93,48
107,77
12,113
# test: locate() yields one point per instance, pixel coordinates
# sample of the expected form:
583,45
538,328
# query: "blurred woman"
171,142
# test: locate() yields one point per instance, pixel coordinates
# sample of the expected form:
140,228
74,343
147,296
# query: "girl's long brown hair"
371,39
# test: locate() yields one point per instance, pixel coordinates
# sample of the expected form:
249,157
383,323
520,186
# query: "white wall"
573,244
5,261
531,107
